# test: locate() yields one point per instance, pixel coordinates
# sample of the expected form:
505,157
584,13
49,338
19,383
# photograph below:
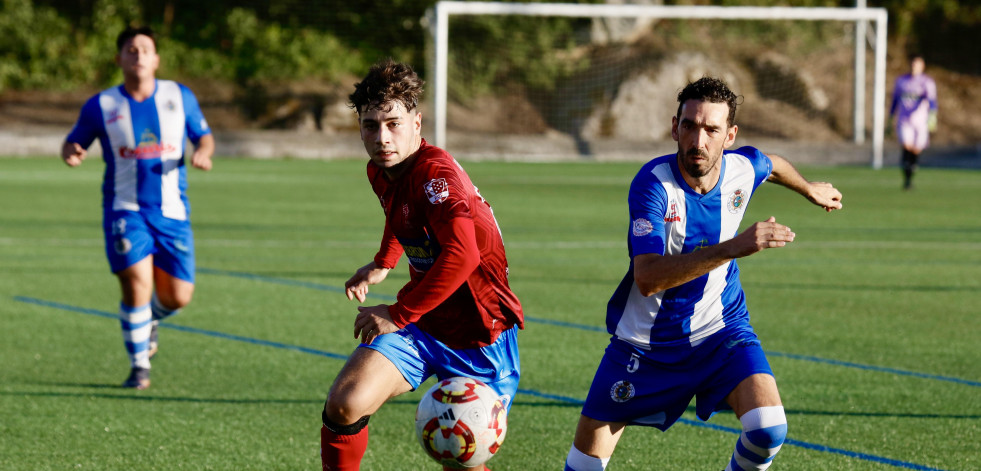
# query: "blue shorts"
418,356
633,389
131,236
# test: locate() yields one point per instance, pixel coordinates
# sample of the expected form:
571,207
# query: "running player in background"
914,109
679,320
456,316
142,125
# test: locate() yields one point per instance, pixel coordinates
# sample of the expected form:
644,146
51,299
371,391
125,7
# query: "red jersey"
458,289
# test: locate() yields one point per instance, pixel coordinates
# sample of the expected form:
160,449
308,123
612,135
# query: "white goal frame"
438,18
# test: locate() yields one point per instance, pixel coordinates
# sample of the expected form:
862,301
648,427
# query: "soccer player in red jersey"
457,315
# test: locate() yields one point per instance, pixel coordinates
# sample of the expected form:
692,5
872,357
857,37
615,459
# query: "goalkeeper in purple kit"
914,109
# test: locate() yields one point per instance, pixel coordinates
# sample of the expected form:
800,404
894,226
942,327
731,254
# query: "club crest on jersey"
641,227
622,391
437,190
737,201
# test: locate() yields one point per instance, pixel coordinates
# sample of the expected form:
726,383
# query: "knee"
765,430
135,291
181,299
340,415
175,299
343,409
769,438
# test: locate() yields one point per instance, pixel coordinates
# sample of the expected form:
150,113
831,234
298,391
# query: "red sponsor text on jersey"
147,151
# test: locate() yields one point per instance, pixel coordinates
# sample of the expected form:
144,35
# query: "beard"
693,168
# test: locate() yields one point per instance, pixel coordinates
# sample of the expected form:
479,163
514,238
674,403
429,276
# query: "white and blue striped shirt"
143,146
669,218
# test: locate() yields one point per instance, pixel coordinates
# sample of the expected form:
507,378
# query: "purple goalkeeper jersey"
913,98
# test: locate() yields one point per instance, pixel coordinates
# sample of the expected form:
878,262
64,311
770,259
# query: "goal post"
440,14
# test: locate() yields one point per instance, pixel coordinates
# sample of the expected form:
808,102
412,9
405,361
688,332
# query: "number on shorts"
634,363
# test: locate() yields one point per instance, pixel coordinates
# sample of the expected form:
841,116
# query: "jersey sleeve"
931,94
762,165
459,257
390,251
197,126
648,206
89,124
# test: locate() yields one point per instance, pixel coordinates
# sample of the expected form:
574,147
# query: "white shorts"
913,135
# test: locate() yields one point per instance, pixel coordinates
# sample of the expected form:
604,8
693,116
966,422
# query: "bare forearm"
206,145
654,273
785,174
822,194
202,153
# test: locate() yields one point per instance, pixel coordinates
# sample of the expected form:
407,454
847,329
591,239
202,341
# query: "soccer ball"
461,422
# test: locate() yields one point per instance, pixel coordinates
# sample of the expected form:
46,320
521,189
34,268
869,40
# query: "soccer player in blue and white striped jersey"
679,323
142,126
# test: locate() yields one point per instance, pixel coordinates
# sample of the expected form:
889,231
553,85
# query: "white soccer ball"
461,422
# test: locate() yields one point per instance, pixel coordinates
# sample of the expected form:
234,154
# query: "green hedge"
59,45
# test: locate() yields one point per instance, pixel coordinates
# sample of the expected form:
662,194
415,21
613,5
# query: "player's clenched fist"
73,154
763,235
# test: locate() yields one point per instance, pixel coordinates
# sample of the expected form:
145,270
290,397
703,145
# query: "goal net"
512,80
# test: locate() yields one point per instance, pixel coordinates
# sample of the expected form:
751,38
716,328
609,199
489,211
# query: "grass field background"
870,320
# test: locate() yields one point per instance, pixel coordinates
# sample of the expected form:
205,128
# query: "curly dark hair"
387,81
712,90
131,32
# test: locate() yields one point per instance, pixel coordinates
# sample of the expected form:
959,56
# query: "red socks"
342,452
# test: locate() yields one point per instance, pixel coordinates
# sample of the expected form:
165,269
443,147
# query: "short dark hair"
131,32
712,90
387,81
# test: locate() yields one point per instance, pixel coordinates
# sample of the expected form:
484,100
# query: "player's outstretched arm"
205,148
654,273
822,194
357,285
72,153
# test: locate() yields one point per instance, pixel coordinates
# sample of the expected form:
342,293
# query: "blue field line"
820,448
183,328
881,369
593,328
529,392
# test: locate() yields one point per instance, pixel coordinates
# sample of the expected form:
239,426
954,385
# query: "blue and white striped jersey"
143,146
669,218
